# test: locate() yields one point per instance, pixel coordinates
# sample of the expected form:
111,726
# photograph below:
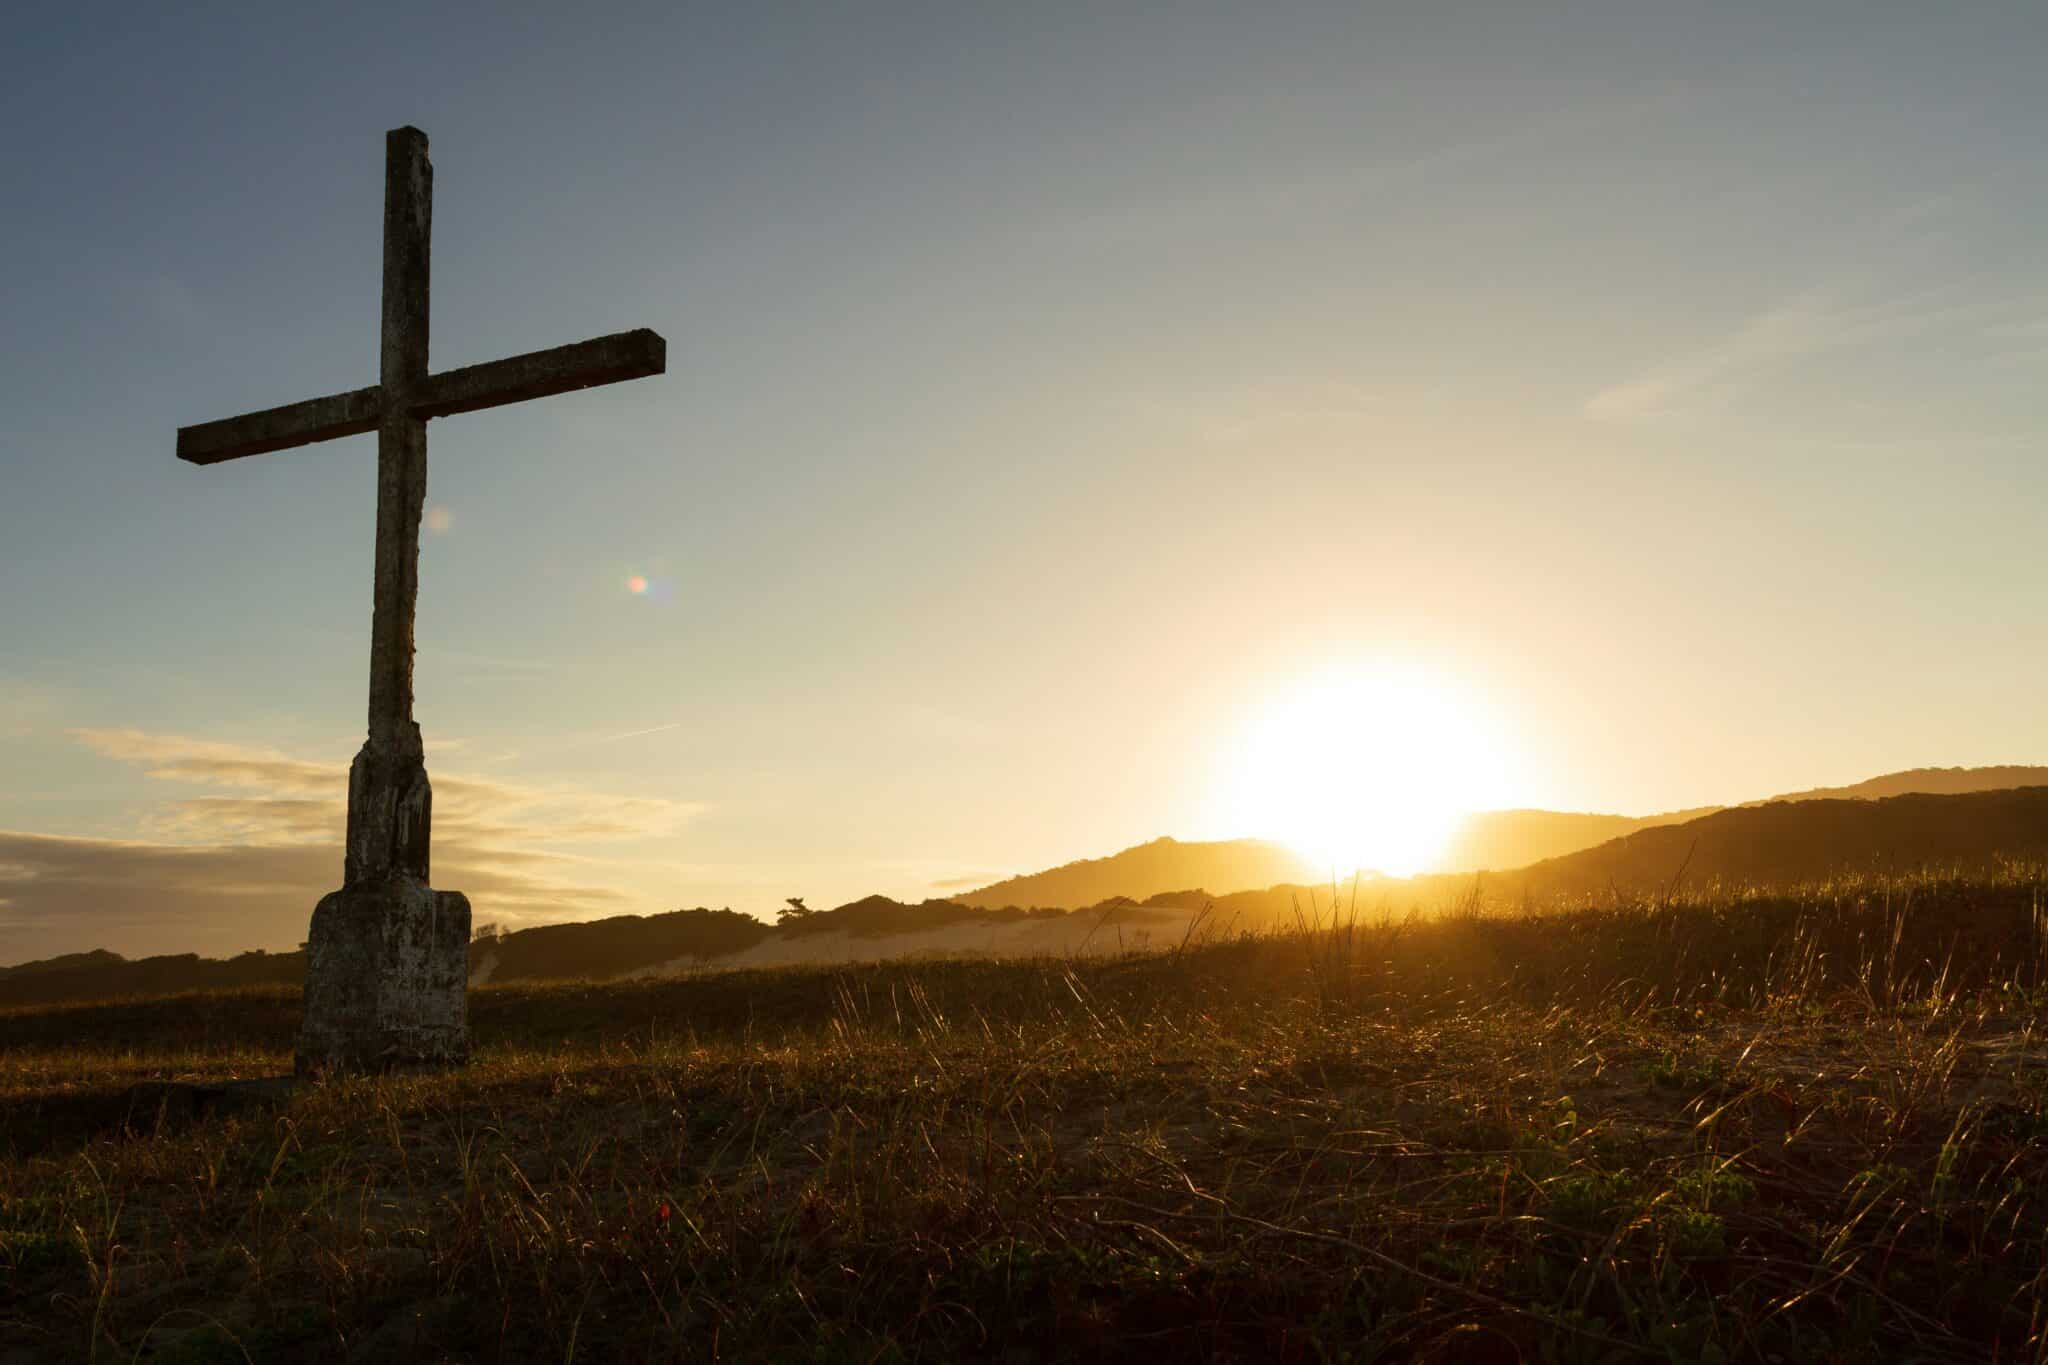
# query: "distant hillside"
1158,893
1516,838
1505,839
878,916
612,946
102,975
1770,846
1786,843
1150,869
1495,840
641,945
1929,781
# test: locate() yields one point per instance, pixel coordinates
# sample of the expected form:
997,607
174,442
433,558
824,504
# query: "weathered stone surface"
388,955
387,967
390,810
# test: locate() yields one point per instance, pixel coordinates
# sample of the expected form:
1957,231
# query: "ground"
1797,1130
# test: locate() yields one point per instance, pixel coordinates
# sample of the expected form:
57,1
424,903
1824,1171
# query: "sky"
1053,392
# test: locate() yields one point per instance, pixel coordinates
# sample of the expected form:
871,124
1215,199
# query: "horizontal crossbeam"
294,424
537,374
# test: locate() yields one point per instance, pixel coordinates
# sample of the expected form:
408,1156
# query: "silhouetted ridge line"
1771,846
1929,782
1784,844
1506,839
1148,869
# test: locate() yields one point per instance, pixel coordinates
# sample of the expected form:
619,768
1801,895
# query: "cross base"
387,975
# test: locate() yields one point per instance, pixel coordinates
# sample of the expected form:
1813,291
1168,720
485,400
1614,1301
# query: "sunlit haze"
1364,768
1302,422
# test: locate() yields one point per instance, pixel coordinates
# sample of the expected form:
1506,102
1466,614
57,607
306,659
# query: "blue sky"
1050,388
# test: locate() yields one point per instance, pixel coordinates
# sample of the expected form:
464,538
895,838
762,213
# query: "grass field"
1811,1128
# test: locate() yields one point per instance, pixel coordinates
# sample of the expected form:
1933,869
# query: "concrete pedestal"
387,975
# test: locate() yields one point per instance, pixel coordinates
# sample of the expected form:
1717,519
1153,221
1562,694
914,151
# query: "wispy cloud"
1147,209
1893,280
64,894
966,883
1801,326
240,861
211,763
636,734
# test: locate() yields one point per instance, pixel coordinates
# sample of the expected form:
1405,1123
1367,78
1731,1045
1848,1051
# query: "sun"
1364,769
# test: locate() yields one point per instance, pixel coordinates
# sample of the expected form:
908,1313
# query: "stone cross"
387,957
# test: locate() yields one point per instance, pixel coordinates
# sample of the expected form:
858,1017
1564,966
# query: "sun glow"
1364,770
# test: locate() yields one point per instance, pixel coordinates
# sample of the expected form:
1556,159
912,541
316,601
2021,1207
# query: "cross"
386,964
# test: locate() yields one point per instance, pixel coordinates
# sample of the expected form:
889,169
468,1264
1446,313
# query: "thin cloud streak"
1846,310
1334,183
242,864
650,730
1803,325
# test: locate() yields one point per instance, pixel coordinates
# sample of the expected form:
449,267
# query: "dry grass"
1795,1130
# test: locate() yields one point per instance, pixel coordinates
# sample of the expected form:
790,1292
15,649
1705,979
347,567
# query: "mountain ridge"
1777,843
1148,869
1485,841
1785,843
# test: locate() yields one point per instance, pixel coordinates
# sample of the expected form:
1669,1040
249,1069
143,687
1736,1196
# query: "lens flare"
637,585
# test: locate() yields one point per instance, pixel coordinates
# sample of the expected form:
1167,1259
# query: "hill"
613,946
1515,838
1149,870
1495,840
1790,843
1929,782
1502,839
101,975
1184,888
1774,847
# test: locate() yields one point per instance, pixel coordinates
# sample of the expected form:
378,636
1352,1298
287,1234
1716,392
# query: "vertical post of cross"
387,964
401,434
390,805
